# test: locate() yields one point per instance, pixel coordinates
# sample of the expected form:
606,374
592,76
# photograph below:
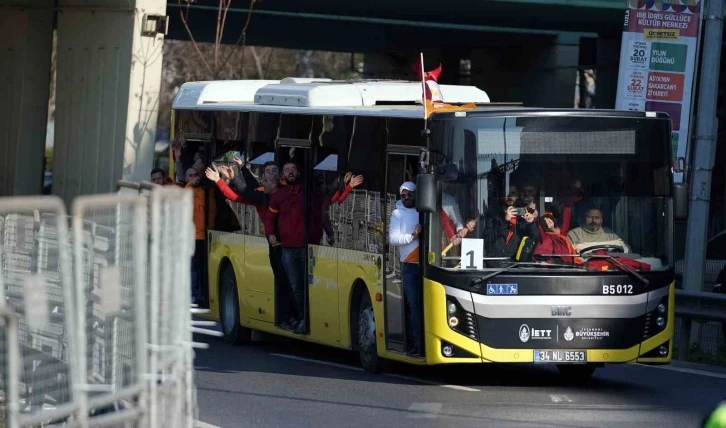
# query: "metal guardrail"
699,306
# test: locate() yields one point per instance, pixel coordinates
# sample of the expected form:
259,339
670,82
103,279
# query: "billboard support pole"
704,145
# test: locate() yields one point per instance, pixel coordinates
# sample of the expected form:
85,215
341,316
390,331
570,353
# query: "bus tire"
366,336
576,372
229,313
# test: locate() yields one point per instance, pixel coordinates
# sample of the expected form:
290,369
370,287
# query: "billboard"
658,60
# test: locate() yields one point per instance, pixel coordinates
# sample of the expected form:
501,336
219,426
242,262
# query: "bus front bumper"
471,338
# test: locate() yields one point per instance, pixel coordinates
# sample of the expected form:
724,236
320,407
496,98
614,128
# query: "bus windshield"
535,189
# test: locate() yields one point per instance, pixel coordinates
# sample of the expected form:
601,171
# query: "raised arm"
230,194
355,181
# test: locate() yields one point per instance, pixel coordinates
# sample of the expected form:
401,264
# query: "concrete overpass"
366,26
109,65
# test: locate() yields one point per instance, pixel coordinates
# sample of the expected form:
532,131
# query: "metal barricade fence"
112,303
101,321
172,393
10,366
170,336
36,285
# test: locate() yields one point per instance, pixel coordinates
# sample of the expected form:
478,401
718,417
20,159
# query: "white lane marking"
461,388
200,424
429,382
684,370
559,398
426,410
325,363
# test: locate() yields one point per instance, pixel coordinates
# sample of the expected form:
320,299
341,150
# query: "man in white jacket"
403,232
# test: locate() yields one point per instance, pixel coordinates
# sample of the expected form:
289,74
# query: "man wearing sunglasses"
403,232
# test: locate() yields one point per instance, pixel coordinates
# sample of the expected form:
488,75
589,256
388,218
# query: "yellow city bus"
610,169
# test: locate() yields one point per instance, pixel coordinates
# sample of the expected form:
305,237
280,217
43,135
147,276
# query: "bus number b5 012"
617,289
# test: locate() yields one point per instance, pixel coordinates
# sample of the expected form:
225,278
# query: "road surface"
281,383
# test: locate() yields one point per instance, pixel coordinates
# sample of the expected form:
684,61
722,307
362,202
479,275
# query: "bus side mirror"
680,190
426,193
680,201
448,172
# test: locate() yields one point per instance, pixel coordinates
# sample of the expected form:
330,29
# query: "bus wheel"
234,333
576,372
366,338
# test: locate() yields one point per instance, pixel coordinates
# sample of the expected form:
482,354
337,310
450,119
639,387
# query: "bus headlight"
660,321
460,320
661,308
663,350
451,308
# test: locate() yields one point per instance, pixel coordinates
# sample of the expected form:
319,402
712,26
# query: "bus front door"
401,166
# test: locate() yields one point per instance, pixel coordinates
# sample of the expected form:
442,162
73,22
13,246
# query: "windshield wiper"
477,282
622,266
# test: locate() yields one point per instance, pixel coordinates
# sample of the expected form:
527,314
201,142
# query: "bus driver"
593,234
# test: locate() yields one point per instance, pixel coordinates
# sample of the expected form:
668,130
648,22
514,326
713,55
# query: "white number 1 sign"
472,253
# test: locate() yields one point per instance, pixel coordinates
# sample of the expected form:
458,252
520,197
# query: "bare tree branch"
216,38
224,5
269,60
221,24
189,32
242,39
258,63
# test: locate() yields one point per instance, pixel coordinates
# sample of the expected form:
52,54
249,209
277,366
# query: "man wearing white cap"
403,232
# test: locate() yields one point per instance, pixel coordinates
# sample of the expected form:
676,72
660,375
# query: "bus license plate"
561,356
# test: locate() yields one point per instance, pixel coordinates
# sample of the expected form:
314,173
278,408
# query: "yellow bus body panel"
436,327
323,294
665,335
257,284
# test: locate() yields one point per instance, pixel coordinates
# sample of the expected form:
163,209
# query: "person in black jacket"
505,229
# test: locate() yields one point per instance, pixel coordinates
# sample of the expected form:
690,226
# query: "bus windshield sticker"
502,289
472,254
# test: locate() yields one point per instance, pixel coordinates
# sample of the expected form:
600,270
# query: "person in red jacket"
554,240
351,182
287,215
258,196
553,234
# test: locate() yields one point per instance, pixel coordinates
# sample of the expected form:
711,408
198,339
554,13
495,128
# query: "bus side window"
258,153
226,217
325,213
361,213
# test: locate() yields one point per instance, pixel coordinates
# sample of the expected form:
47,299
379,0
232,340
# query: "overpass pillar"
108,81
26,43
538,74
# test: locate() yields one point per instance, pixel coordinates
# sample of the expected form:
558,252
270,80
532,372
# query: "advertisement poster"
657,62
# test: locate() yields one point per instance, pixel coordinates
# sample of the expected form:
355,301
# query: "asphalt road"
281,383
